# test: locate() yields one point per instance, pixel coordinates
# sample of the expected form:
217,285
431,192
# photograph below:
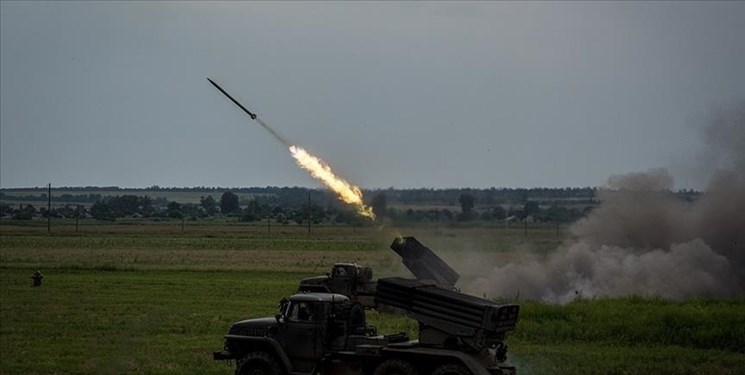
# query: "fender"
263,343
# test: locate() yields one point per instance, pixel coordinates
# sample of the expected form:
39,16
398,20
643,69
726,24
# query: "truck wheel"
451,369
258,363
395,367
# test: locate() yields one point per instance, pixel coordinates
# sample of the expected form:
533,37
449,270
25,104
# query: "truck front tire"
258,363
451,369
395,367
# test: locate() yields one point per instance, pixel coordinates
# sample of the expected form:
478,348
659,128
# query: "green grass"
591,358
153,300
635,321
207,250
99,322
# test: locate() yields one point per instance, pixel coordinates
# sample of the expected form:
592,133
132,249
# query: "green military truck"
326,333
348,279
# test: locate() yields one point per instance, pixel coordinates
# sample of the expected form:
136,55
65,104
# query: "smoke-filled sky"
391,94
641,239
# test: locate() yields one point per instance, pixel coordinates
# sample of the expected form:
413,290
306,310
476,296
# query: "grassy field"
155,300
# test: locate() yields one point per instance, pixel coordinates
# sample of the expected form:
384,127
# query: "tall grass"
636,321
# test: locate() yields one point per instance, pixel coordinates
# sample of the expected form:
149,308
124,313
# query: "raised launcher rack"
424,263
448,317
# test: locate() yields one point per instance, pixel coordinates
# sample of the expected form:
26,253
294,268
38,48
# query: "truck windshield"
302,312
340,272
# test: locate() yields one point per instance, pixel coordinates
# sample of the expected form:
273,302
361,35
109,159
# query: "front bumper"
223,355
502,370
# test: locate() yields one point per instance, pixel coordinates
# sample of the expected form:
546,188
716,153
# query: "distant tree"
254,211
5,210
229,203
160,202
379,205
499,213
531,208
432,215
209,204
466,203
174,210
466,206
25,213
281,218
317,214
110,208
395,213
344,217
125,205
447,214
557,214
145,206
192,211
487,216
102,210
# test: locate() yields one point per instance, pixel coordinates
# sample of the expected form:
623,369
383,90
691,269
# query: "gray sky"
390,94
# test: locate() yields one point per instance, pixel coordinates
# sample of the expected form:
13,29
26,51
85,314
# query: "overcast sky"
390,94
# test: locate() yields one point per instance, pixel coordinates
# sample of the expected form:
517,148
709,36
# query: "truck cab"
308,326
348,279
302,330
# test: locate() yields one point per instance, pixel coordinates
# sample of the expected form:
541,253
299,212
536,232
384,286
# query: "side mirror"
278,317
283,304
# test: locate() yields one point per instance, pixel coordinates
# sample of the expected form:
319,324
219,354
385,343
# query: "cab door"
342,279
301,334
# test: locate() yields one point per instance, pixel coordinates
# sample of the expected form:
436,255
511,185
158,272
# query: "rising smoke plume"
642,240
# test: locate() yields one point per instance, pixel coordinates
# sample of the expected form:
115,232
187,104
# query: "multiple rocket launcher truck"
322,329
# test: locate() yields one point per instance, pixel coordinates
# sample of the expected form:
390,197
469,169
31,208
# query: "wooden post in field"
49,209
309,212
77,218
526,227
182,222
269,224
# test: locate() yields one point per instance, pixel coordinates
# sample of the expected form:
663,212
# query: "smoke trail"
318,168
642,240
271,131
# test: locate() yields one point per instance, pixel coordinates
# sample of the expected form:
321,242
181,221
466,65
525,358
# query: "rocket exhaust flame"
321,171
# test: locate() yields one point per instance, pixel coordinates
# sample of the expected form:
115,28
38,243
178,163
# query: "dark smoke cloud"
643,240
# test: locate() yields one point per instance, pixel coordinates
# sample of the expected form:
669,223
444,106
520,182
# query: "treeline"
110,208
65,197
320,209
292,195
298,205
